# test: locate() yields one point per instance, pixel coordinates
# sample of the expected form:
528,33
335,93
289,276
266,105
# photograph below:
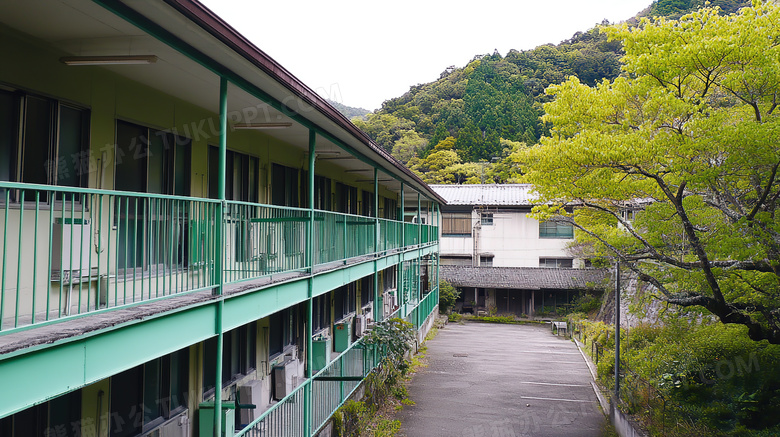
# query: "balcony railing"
331,387
72,251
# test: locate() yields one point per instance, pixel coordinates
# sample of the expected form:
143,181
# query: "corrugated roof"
493,195
524,278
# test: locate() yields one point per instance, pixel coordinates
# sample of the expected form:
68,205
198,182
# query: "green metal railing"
262,239
67,252
331,387
70,251
389,235
411,234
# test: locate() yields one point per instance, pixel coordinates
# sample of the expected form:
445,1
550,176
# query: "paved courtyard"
491,380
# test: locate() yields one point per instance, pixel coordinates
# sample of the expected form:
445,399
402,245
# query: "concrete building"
502,259
187,228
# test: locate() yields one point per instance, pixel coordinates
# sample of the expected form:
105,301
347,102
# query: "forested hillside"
464,127
349,111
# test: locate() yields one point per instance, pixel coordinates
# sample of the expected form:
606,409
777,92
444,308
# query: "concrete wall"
512,239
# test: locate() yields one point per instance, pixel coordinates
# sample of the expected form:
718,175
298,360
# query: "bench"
559,326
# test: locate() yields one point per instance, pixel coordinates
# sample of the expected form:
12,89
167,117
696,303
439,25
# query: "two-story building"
187,228
503,259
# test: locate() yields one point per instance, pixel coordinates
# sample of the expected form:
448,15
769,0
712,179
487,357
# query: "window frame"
563,231
452,224
557,263
54,161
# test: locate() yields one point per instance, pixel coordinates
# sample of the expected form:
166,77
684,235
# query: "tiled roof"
488,195
524,278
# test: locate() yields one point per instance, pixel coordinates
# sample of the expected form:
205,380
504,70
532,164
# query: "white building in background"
502,259
490,226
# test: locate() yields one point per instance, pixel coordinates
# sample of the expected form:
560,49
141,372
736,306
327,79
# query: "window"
241,176
321,312
456,224
556,263
56,417
556,230
390,209
346,199
239,356
367,208
151,161
486,219
281,331
145,396
486,261
43,141
322,193
366,290
284,186
456,260
344,301
125,396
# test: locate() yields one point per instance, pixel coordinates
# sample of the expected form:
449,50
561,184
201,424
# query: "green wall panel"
33,378
242,309
135,344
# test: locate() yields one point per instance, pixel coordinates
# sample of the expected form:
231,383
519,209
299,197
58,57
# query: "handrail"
96,250
260,425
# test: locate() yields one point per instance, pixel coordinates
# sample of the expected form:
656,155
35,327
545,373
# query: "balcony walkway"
91,322
490,380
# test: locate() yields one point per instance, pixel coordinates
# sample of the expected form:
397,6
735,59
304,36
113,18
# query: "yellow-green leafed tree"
689,135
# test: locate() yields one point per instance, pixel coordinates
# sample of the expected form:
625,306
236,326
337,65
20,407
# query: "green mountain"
494,97
349,111
493,105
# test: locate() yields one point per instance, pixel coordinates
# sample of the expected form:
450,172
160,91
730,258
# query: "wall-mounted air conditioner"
285,376
360,325
254,393
70,248
176,426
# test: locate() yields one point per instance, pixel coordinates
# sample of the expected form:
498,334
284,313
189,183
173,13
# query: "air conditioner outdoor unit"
70,248
253,393
360,325
284,379
177,426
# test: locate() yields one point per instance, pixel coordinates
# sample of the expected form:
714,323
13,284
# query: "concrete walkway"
490,380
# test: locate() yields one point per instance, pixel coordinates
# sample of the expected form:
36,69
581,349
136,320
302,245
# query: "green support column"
418,291
219,255
438,225
399,290
376,244
307,393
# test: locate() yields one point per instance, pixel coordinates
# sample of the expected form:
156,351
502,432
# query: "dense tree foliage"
349,111
690,135
677,8
495,99
490,100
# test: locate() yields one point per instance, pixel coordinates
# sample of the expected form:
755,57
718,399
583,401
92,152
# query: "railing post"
345,239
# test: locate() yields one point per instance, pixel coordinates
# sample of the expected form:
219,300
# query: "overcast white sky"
361,53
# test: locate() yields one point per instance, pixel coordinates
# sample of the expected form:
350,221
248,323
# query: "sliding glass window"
43,141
